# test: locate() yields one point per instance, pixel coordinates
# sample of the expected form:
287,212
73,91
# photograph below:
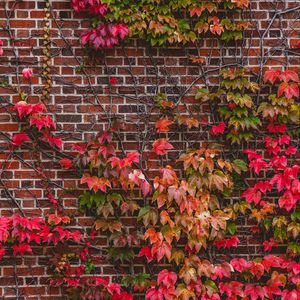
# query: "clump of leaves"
282,107
159,22
278,219
236,106
109,179
189,210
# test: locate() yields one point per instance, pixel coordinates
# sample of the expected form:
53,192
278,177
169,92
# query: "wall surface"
83,104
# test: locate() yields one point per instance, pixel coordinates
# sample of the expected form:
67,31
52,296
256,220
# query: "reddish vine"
187,215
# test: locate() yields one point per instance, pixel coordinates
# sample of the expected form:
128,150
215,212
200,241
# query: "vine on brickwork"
160,22
47,54
185,221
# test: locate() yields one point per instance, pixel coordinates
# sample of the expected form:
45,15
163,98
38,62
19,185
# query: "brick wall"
83,104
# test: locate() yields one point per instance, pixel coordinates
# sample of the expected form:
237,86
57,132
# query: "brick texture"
82,103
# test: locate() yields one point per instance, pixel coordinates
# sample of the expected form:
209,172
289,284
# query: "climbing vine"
160,22
171,206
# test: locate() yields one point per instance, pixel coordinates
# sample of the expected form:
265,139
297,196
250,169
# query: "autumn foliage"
187,216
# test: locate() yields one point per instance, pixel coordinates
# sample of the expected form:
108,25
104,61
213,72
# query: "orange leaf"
162,125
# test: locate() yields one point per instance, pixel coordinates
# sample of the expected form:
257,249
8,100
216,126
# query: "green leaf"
89,267
211,287
183,25
122,254
141,277
98,199
115,197
294,248
94,22
231,228
202,94
240,166
295,215
127,280
143,211
85,200
267,224
280,234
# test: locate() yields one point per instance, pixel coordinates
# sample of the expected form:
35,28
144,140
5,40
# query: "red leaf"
115,162
252,154
147,252
258,165
227,243
27,73
79,148
65,219
252,195
161,249
284,139
154,294
289,75
271,75
280,128
232,242
21,249
232,105
54,219
145,187
216,129
76,236
122,296
222,270
240,264
19,138
2,251
279,162
257,269
133,157
39,108
97,8
107,150
284,180
54,141
272,145
295,43
95,183
263,186
216,28
291,150
290,90
23,109
196,11
113,288
290,295
166,278
105,137
137,177
113,80
254,292
232,289
268,245
288,200
42,121
66,163
271,261
119,29
161,146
